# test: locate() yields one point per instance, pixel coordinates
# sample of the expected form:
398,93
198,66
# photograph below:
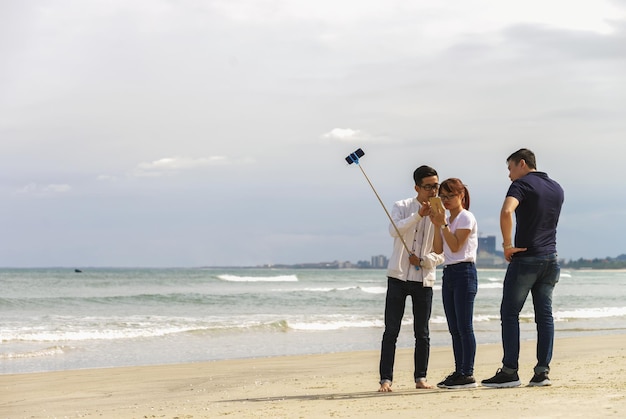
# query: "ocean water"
56,319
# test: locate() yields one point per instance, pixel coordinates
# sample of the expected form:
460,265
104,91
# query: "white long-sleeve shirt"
418,233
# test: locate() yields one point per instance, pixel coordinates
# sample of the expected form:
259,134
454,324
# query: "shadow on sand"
346,396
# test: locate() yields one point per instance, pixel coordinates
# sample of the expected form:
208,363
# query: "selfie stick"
354,158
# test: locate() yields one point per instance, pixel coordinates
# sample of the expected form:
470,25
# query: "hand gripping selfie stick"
354,158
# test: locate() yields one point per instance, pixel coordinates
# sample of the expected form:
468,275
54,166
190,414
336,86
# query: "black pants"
422,299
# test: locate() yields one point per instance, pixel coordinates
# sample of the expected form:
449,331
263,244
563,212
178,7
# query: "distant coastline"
485,261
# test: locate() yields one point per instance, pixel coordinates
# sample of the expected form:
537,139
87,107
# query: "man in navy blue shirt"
533,267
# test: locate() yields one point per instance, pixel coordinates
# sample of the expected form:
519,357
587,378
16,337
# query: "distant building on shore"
487,257
487,244
379,262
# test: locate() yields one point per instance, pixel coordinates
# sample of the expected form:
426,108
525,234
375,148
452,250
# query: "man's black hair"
422,172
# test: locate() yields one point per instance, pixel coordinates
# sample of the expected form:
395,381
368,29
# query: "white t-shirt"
464,221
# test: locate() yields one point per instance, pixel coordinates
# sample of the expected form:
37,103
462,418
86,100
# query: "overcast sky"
213,132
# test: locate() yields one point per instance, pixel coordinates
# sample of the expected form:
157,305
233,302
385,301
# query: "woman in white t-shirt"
458,240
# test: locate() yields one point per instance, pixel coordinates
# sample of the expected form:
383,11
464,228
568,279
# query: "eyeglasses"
447,197
429,188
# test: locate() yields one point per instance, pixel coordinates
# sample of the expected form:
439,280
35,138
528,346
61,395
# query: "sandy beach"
588,376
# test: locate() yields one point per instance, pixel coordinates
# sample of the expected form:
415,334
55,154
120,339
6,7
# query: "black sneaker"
540,380
449,378
502,380
460,381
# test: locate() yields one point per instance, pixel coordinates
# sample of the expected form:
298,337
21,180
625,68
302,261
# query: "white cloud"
172,165
582,14
36,189
349,135
107,178
327,11
177,163
343,134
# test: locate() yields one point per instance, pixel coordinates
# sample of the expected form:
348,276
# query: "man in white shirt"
411,274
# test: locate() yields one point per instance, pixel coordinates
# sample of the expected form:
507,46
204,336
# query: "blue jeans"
460,284
422,299
537,275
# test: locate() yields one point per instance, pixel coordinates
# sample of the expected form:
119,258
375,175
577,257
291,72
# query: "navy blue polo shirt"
537,215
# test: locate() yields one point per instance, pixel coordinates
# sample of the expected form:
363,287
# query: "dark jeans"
422,299
460,284
537,275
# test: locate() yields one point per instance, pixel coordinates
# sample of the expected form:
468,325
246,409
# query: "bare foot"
385,387
422,384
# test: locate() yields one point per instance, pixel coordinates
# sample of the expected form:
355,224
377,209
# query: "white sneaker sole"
543,383
503,385
469,385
